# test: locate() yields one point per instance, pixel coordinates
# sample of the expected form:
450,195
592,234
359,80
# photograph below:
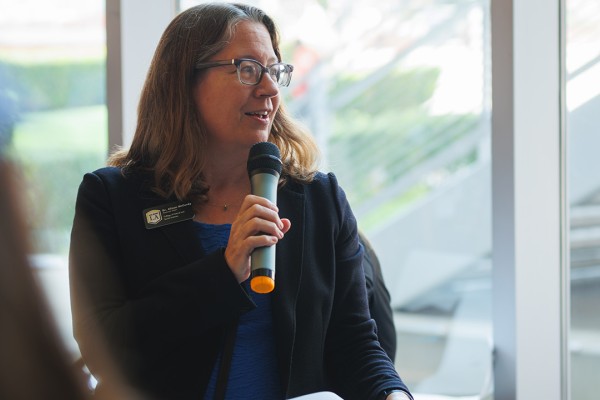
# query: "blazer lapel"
288,274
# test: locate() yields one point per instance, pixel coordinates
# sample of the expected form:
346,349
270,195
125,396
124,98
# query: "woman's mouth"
259,114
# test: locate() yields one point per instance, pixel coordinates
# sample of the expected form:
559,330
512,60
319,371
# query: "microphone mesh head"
264,155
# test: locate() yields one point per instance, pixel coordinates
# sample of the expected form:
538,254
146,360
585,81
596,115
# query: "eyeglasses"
250,71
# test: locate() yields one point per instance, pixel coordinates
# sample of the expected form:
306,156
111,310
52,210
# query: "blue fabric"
212,237
253,373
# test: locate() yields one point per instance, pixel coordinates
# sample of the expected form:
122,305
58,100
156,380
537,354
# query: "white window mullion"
133,29
528,200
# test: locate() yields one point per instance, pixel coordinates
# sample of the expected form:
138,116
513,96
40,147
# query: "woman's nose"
267,86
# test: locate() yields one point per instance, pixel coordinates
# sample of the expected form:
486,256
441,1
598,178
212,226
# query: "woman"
171,294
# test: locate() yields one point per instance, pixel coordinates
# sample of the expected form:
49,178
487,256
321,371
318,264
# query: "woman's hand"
257,224
397,396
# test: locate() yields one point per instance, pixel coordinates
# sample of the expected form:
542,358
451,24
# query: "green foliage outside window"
386,132
59,132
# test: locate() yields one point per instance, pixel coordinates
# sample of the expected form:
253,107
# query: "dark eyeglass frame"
288,68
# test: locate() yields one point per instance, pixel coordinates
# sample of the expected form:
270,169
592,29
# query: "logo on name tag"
153,217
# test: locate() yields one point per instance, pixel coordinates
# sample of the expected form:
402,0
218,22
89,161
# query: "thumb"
287,224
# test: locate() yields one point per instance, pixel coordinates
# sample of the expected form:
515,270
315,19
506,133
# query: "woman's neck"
227,190
223,171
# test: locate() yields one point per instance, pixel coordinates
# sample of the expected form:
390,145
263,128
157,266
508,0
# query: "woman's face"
237,115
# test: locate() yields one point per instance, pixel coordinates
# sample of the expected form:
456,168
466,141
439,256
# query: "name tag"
167,214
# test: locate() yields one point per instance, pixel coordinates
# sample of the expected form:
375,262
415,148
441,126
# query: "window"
52,69
583,126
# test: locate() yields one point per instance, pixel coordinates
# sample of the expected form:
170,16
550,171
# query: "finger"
262,241
252,199
287,224
259,226
238,257
258,218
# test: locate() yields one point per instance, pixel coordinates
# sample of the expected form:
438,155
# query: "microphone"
264,168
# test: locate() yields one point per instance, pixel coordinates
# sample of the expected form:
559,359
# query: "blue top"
253,373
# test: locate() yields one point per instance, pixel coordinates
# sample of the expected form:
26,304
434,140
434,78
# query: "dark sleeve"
360,367
148,327
379,299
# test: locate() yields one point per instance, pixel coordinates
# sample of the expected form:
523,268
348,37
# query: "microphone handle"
262,260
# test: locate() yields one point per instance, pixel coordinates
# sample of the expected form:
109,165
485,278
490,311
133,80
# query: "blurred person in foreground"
173,299
33,362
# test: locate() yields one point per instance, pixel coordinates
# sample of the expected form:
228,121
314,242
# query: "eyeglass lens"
250,73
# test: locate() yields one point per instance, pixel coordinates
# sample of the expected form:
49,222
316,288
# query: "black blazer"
379,298
163,305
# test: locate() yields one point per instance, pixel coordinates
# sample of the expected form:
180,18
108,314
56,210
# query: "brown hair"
170,138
